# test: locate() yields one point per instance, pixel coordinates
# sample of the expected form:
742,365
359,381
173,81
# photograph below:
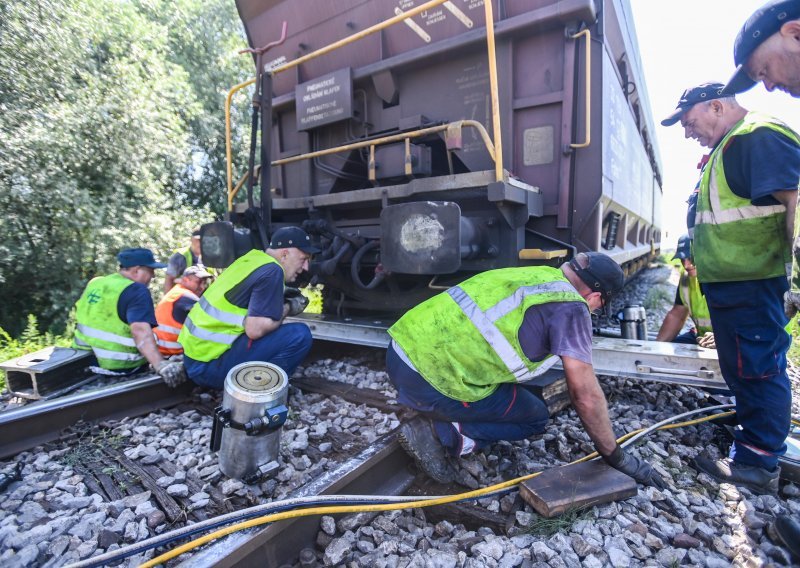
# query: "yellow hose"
392,506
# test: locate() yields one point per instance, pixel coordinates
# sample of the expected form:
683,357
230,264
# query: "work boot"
418,439
788,530
756,479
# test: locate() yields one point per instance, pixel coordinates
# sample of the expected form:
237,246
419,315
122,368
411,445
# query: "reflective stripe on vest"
465,342
213,323
484,322
168,327
730,228
695,302
100,327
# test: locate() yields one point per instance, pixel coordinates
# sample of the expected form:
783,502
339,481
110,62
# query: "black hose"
355,266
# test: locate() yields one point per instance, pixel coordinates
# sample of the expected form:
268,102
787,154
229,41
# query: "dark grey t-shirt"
560,328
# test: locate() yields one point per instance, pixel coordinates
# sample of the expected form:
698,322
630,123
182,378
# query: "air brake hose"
624,441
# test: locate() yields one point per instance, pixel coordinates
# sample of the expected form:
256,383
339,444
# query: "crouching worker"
240,316
460,357
115,319
173,308
689,303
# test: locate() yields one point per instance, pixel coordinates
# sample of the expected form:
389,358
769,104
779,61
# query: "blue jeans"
688,338
512,412
286,347
748,322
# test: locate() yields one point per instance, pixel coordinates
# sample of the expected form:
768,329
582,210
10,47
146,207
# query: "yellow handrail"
392,138
498,142
588,139
495,148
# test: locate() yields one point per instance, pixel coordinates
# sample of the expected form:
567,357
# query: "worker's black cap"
758,28
602,274
684,249
692,96
292,237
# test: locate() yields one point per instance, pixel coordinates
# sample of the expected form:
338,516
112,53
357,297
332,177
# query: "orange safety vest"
168,329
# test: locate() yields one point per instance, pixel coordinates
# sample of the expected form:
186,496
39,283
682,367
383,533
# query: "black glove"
295,300
638,469
172,372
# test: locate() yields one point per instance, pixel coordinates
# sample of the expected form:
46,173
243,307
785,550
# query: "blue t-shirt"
558,328
261,292
761,163
181,307
136,305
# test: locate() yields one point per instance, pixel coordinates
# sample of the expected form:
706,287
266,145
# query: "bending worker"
173,308
689,302
116,319
742,235
460,357
767,49
240,316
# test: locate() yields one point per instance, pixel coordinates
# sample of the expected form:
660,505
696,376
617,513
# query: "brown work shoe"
419,441
756,479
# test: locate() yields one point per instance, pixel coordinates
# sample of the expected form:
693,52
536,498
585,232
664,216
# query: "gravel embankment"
52,517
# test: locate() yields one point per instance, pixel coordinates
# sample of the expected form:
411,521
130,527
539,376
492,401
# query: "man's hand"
172,372
791,303
707,340
638,469
295,300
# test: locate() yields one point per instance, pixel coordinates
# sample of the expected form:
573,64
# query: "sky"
684,43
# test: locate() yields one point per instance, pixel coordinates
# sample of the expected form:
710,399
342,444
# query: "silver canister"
633,322
247,427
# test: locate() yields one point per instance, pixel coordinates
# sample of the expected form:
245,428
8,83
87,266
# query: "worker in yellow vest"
240,317
689,303
462,358
767,49
115,319
743,231
173,308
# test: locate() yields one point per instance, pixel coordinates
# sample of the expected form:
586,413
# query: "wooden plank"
171,508
576,486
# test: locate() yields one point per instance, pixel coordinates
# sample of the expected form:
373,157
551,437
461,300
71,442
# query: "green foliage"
111,135
544,527
658,296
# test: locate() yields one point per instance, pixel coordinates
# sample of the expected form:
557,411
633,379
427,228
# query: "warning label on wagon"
324,100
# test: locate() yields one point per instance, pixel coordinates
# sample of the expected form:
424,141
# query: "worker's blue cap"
138,257
601,274
692,96
758,28
684,249
292,237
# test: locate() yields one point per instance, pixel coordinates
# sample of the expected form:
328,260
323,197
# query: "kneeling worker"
173,308
689,302
240,316
116,319
459,358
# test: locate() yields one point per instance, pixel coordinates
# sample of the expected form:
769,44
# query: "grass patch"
540,526
658,296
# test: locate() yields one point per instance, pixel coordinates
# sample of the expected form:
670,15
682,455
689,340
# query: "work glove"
172,372
707,340
791,303
638,469
295,300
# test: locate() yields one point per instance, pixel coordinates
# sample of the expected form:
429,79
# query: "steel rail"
39,422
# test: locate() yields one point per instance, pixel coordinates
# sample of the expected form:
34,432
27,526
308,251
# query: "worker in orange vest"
175,305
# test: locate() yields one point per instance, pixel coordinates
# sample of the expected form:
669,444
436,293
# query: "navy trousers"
748,322
512,412
286,347
688,338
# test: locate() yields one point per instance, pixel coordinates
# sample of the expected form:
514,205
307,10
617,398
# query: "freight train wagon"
418,148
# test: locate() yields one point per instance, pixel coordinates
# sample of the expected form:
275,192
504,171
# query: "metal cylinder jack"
247,426
633,322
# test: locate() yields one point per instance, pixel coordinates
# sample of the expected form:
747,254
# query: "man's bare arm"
145,342
257,327
590,404
673,323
